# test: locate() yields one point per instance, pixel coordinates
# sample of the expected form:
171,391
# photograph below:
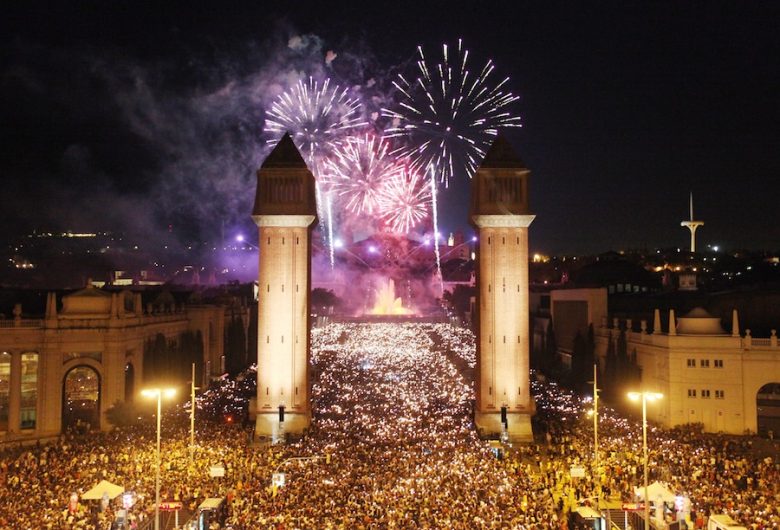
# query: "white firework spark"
449,115
317,115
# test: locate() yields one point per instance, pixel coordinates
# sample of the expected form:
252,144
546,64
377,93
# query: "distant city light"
240,238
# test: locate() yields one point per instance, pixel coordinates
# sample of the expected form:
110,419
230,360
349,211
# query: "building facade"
724,381
71,366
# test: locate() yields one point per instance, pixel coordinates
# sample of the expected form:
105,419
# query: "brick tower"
285,212
499,211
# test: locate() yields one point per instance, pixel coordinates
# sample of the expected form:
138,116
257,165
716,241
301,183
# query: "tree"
324,298
611,368
580,364
549,359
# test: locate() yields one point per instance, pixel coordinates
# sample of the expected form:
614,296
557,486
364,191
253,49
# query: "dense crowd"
391,445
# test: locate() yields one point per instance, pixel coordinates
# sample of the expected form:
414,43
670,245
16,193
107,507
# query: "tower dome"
699,322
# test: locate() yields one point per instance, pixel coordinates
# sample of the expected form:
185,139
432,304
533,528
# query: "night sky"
133,117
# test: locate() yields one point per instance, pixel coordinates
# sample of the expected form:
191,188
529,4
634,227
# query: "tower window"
691,363
691,392
705,394
704,363
719,394
269,240
718,363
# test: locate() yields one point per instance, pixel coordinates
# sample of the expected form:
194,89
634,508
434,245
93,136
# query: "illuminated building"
707,375
727,381
285,212
500,212
83,357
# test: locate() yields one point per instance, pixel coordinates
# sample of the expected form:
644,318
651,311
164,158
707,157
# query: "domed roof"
699,322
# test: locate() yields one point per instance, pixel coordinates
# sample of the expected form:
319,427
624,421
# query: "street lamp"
595,414
645,396
158,393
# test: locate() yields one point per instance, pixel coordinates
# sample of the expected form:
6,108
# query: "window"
719,394
718,363
691,363
705,394
5,388
704,363
29,390
691,392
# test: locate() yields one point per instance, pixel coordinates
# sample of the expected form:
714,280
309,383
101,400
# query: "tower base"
519,429
268,424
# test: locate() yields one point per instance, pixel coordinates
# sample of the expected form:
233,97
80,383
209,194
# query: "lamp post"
157,393
596,473
645,396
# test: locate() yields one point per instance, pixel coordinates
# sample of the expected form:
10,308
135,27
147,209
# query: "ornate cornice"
296,221
503,221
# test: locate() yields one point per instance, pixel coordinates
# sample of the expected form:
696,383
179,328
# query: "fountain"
387,303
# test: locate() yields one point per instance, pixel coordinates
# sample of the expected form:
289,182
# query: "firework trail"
435,216
449,114
403,201
358,171
318,116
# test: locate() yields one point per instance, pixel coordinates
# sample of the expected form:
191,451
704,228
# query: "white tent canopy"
104,487
655,490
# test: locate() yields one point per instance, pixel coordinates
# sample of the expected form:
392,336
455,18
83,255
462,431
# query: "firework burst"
449,114
318,115
358,170
404,200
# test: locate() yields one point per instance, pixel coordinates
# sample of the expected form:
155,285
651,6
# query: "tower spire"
692,224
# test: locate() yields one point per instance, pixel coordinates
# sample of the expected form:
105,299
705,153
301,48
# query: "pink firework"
358,170
404,201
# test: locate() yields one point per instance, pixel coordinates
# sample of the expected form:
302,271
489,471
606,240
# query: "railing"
23,323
